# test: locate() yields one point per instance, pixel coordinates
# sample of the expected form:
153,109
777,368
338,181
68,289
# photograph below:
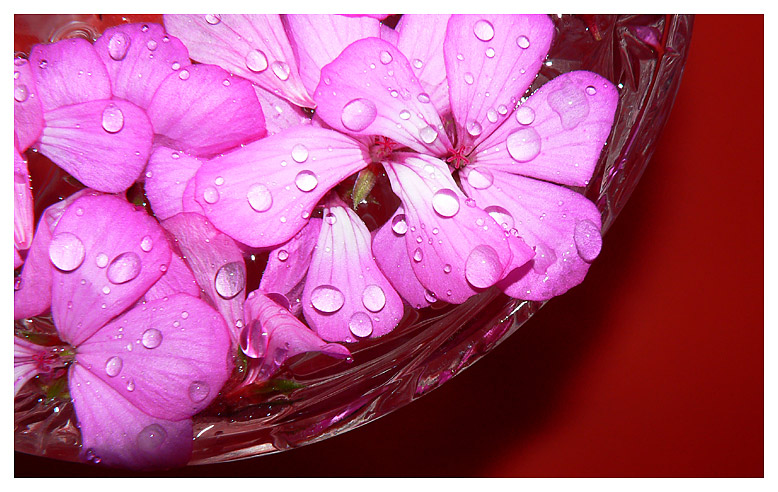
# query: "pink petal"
252,46
275,335
68,72
421,41
167,175
138,57
558,133
263,193
370,89
392,257
114,432
107,254
27,357
319,39
388,34
346,296
28,113
190,202
169,356
217,265
373,16
279,113
457,249
491,60
178,278
103,144
204,110
23,206
553,221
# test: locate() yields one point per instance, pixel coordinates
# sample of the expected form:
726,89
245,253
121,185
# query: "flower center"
459,157
381,148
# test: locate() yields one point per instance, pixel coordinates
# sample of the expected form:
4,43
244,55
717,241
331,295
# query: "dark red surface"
653,367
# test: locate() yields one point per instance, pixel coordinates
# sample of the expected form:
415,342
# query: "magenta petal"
562,226
491,60
107,254
204,110
263,193
23,206
167,175
456,248
68,72
138,57
252,46
114,432
216,262
421,41
178,278
27,359
103,144
346,296
558,133
371,89
319,39
28,113
374,16
281,335
279,113
392,257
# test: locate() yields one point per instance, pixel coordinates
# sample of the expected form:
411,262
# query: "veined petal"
23,206
204,110
103,144
138,57
370,89
28,113
346,296
456,248
491,60
263,193
167,175
27,358
68,72
115,432
551,219
107,254
255,47
178,278
279,113
557,134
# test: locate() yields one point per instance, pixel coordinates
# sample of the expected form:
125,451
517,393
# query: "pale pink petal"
370,89
23,206
28,358
255,47
138,57
456,248
68,72
178,278
557,134
388,34
103,144
107,254
204,110
421,41
553,220
114,432
263,193
346,296
320,38
279,113
167,175
491,60
28,113
373,16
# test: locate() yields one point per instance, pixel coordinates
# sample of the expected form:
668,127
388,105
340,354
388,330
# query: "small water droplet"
469,79
445,202
399,225
254,340
113,118
483,267
259,197
101,260
501,216
330,218
230,280
523,42
524,144
146,244
525,115
21,93
198,391
591,90
483,30
327,298
131,383
417,63
588,240
306,180
106,290
43,64
144,28
428,134
474,128
151,338
491,115
358,114
300,153
151,45
118,46
489,52
460,57
283,255
446,268
218,181
479,178
360,325
212,19
184,315
385,57
418,255
280,70
394,93
256,61
373,298
211,195
175,66
66,251
124,268
183,74
423,97
151,438
113,366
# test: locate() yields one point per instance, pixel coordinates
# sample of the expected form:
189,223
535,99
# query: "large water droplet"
118,46
211,195
501,216
151,438
525,115
358,114
113,366
254,340
418,255
445,202
21,93
483,30
524,144
474,128
280,70
66,251
300,153
491,115
588,240
327,298
113,118
146,244
571,104
385,57
428,134
483,267
230,280
212,19
256,61
399,225
523,42
151,338
360,325
405,114
479,178
124,268
259,197
306,180
198,391
183,74
423,97
373,298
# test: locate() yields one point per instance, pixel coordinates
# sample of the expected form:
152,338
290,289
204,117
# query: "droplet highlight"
230,280
124,268
66,251
327,298
358,114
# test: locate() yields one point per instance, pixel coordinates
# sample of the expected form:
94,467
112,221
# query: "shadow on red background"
653,367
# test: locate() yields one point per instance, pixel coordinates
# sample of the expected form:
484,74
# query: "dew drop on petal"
525,115
479,178
113,118
588,240
124,268
183,74
358,114
151,438
211,195
66,251
373,298
212,19
399,225
446,268
131,383
469,79
445,202
306,180
360,325
230,280
101,260
118,46
327,298
259,197
570,104
405,114
491,115
523,42
300,153
113,366
151,338
483,30
330,218
501,216
417,63
423,97
256,61
385,57
21,93
474,128
253,340
146,244
428,134
151,45
198,391
490,52
417,255
524,144
282,255
591,90
483,267
280,70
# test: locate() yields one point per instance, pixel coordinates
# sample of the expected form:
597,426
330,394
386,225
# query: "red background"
652,367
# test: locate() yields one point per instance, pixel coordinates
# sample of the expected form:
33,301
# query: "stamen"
459,157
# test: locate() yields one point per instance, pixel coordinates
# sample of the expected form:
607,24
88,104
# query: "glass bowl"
314,397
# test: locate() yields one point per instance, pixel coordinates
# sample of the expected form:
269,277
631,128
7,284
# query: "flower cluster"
271,143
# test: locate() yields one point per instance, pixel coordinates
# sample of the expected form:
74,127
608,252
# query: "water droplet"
385,57
43,64
418,255
479,178
211,195
591,90
524,144
151,45
483,267
460,57
474,128
226,82
306,180
144,28
280,70
360,325
256,61
405,114
183,74
501,216
254,340
113,366
184,315
327,298
423,98
230,280
588,240
373,298
445,202
483,30
491,115
66,251
330,218
113,118
212,19
523,42
106,290
490,52
198,391
446,268
469,79
175,66
17,283
218,181
394,93
118,46
283,255
131,383
525,115
358,114
151,438
417,63
571,104
259,197
151,338
124,268
300,153
146,244
428,134
399,225
21,93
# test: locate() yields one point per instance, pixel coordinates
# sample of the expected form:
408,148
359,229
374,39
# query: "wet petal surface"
28,113
167,175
